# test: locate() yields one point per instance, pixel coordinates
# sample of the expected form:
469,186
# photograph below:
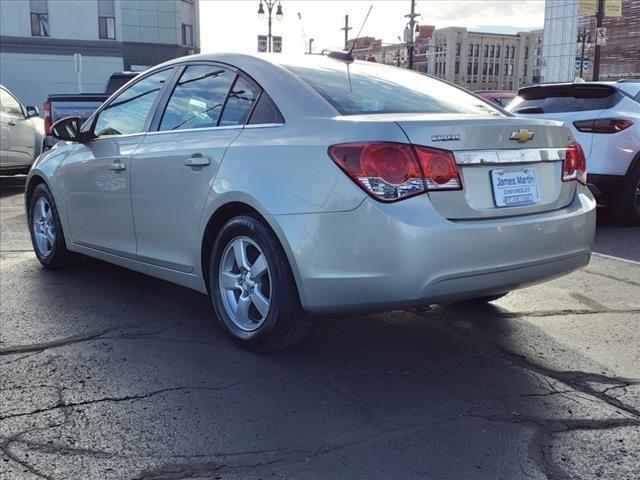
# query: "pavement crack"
63,342
126,398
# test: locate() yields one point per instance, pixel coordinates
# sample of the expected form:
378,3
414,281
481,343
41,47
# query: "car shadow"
10,185
398,394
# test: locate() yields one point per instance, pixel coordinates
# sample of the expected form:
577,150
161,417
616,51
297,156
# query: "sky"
233,25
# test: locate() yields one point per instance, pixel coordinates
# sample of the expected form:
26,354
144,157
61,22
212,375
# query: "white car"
21,134
285,186
605,119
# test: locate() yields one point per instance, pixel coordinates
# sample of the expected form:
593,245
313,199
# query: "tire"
627,208
46,232
257,302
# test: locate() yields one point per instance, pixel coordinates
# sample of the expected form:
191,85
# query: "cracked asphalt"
109,374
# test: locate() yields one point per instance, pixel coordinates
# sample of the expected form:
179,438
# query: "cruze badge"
445,138
522,136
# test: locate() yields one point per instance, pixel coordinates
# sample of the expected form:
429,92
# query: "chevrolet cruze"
284,187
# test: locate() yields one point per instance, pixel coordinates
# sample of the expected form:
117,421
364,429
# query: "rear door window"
239,104
198,98
362,88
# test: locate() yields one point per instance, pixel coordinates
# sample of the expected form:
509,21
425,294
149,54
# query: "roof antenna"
360,31
347,56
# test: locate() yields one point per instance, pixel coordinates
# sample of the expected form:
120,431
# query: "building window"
498,51
106,20
526,52
188,17
457,68
492,51
486,50
475,68
510,70
39,18
513,51
457,49
497,70
506,51
491,69
477,50
484,68
525,69
469,68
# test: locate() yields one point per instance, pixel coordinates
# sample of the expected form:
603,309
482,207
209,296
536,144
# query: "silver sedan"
284,187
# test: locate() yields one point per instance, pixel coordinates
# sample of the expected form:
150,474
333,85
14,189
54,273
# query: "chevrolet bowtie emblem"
522,136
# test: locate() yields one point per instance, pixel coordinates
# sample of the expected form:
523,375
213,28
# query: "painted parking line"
620,259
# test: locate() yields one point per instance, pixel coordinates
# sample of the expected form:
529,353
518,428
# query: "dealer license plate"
515,186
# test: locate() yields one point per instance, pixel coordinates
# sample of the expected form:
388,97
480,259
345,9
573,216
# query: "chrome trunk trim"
488,157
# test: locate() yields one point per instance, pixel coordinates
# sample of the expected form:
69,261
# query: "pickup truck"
61,105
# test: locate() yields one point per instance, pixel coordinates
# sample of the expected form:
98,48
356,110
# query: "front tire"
252,287
46,232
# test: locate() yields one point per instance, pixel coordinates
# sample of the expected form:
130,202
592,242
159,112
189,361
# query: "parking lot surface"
109,374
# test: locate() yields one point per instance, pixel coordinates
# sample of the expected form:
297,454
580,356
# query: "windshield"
366,87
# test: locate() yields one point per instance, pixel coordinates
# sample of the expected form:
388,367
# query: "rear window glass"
563,100
361,88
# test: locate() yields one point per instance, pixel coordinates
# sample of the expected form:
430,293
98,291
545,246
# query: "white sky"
233,25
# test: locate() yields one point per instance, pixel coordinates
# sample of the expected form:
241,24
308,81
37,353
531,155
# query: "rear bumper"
388,256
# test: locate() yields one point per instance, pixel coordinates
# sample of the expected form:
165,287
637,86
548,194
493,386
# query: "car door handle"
197,160
117,166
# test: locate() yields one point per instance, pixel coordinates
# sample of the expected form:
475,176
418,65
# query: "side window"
241,99
9,104
128,112
265,111
197,98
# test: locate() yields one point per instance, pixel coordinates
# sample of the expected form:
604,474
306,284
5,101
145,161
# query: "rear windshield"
563,99
360,88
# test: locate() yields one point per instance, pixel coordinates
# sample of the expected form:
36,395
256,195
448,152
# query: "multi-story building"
484,61
38,40
562,53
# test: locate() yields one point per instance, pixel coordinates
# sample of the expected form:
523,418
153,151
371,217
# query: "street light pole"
346,29
270,4
410,40
310,45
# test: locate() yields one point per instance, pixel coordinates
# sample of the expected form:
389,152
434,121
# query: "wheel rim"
44,228
245,283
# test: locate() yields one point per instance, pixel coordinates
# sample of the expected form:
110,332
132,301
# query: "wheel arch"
33,181
232,209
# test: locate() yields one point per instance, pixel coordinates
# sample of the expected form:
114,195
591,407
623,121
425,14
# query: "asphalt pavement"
109,374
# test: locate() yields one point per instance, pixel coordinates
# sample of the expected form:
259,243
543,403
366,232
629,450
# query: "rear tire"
252,287
46,232
627,208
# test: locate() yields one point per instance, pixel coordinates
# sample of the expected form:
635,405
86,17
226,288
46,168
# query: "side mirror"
32,111
67,129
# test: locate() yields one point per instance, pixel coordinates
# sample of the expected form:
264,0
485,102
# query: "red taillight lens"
46,106
439,168
391,171
603,125
575,164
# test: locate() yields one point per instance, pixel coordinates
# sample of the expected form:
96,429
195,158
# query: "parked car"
82,105
605,119
21,133
500,97
283,187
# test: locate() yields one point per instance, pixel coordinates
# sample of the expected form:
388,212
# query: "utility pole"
410,37
346,29
596,55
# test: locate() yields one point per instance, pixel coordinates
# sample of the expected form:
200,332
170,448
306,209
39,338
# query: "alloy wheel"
245,283
44,228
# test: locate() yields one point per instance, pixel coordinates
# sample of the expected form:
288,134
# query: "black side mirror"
67,129
32,111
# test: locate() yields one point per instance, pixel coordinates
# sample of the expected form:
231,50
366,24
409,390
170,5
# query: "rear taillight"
603,125
391,171
46,106
575,164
